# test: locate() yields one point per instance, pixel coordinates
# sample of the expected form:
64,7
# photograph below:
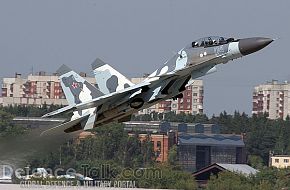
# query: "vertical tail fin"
76,88
108,79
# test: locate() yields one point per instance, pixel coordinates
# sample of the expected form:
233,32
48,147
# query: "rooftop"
206,172
210,139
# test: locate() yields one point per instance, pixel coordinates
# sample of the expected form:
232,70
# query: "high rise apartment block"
272,98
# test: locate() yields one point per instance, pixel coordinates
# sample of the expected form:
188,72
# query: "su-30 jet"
115,98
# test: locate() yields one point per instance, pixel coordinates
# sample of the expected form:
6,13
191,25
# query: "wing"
132,91
112,98
65,109
67,127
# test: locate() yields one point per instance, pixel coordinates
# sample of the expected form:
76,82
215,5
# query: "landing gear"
137,103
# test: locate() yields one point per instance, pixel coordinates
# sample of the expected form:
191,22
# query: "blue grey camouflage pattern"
108,79
116,98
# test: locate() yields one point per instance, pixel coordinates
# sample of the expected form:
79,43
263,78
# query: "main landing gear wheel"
137,103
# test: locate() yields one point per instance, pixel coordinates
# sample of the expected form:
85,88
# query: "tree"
132,152
160,177
5,120
172,155
228,181
255,161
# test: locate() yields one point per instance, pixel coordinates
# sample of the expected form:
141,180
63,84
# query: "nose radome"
251,45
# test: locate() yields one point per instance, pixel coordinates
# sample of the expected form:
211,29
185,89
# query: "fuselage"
195,60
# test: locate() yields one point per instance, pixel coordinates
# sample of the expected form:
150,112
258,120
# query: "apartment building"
36,90
272,98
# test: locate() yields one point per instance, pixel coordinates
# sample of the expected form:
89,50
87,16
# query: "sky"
136,37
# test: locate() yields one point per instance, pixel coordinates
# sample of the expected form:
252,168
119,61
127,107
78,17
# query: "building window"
195,100
276,160
286,160
194,94
174,105
159,144
188,100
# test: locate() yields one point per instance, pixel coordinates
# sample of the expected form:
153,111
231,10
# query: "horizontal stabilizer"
68,127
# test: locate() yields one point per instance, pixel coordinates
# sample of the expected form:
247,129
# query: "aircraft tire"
137,103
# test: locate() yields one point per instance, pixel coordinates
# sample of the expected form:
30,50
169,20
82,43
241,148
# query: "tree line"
112,154
112,146
261,135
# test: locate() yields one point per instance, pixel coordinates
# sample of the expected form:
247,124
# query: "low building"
204,174
164,126
162,142
147,126
198,150
279,161
198,145
37,122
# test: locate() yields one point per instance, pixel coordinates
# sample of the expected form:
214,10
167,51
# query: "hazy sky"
136,37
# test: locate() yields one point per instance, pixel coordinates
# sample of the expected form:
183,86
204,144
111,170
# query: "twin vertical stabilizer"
108,79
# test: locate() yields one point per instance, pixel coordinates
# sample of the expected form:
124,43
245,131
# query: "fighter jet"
115,98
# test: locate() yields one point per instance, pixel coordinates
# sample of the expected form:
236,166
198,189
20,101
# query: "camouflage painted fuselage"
116,98
170,79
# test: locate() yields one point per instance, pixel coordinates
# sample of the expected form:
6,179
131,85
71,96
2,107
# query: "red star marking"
75,85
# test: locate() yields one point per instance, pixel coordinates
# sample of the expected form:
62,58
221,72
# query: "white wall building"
34,90
272,98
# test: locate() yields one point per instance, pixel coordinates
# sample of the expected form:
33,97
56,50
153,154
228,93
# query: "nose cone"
251,45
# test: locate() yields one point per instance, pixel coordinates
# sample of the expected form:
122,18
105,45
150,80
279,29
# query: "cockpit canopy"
211,41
